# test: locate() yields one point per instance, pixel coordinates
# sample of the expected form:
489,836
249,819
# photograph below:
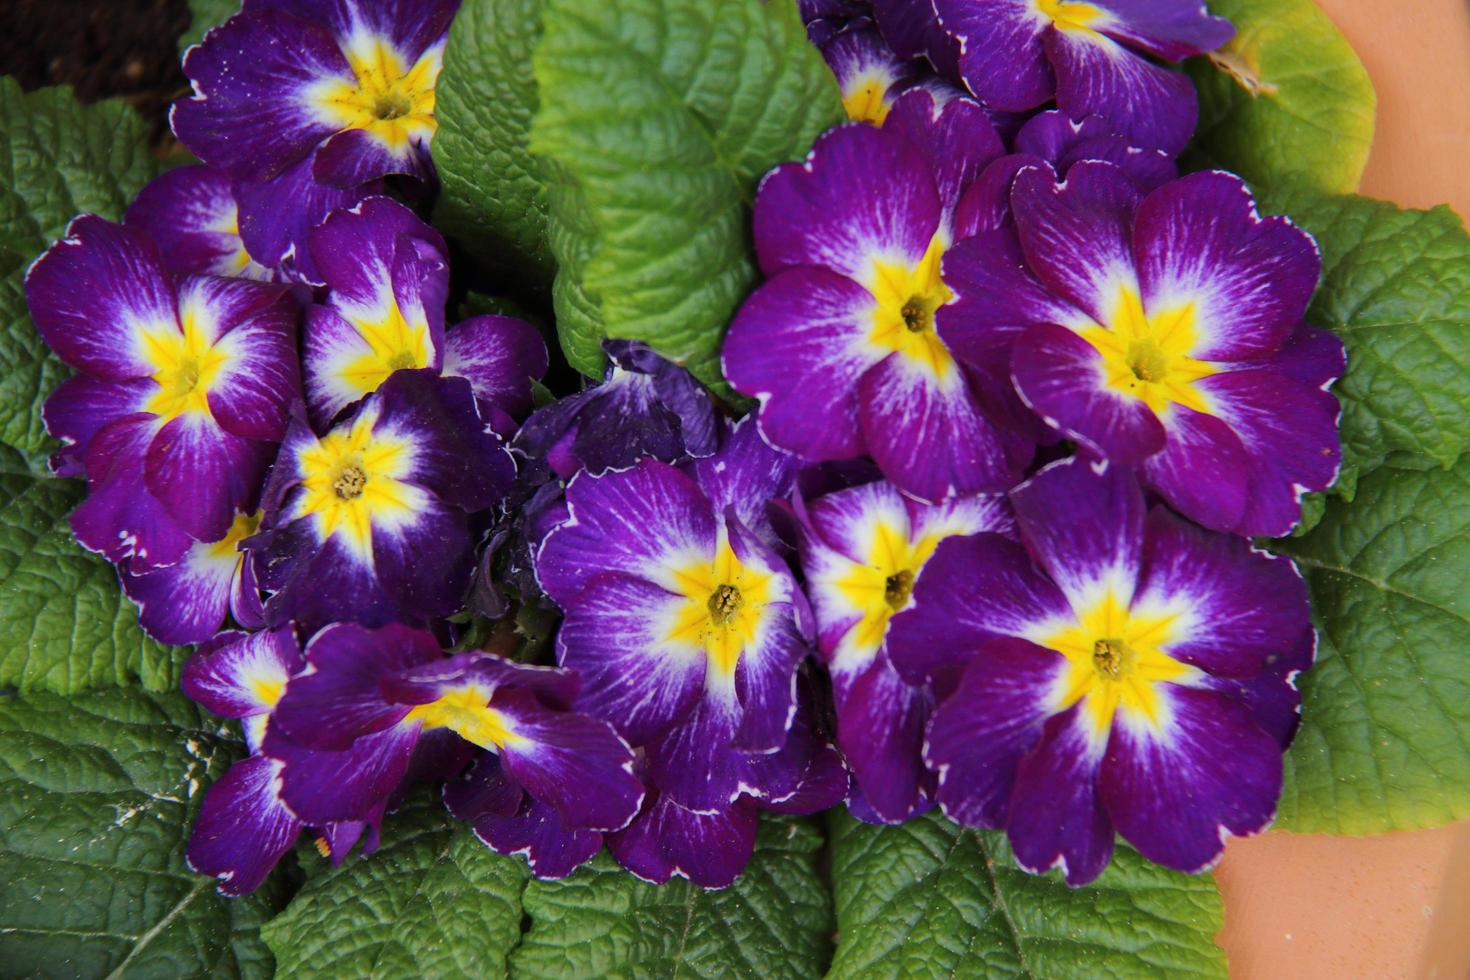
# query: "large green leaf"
658,118
433,902
1287,99
493,200
57,159
774,922
929,899
1385,736
1396,289
97,795
65,625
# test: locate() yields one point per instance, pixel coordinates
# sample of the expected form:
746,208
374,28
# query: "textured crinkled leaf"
65,625
57,159
204,14
432,902
928,898
97,796
774,922
493,201
660,117
1286,99
1385,736
1396,289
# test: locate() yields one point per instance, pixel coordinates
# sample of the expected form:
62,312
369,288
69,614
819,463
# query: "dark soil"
126,48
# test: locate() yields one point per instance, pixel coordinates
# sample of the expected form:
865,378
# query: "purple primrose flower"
182,393
347,85
862,551
840,344
552,776
187,602
1123,671
1163,332
685,625
1092,57
192,214
369,522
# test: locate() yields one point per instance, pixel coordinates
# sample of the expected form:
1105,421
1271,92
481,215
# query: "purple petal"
1002,59
797,346
1152,106
615,635
243,828
1199,240
869,74
863,194
745,475
697,763
928,435
81,406
1084,527
537,831
186,602
278,213
500,356
190,212
250,114
1244,608
957,137
973,590
120,518
633,522
1167,29
710,849
339,699
1203,470
1064,379
1056,816
1177,793
241,674
981,731
880,729
321,786
202,475
355,156
94,294
575,763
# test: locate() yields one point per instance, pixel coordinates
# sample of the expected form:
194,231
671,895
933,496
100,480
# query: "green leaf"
927,898
1385,736
1396,289
65,625
97,795
432,902
205,14
657,120
1287,99
57,159
493,201
774,922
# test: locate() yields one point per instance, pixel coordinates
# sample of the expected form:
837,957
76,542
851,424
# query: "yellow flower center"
391,100
865,100
228,547
394,344
186,364
1068,15
880,587
903,317
1116,657
1146,353
721,612
354,478
466,711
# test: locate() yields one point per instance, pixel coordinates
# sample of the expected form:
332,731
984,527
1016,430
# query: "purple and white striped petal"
243,827
191,213
1056,817
667,840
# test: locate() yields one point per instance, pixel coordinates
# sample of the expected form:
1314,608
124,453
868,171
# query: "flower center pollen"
392,104
349,482
1147,361
724,603
897,589
1112,658
918,315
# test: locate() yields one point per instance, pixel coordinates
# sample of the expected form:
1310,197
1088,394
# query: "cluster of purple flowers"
1024,395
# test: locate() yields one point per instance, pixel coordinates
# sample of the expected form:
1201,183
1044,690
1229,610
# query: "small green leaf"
58,159
1385,736
657,120
97,796
774,922
65,625
204,14
1396,289
493,201
1287,99
432,902
927,898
